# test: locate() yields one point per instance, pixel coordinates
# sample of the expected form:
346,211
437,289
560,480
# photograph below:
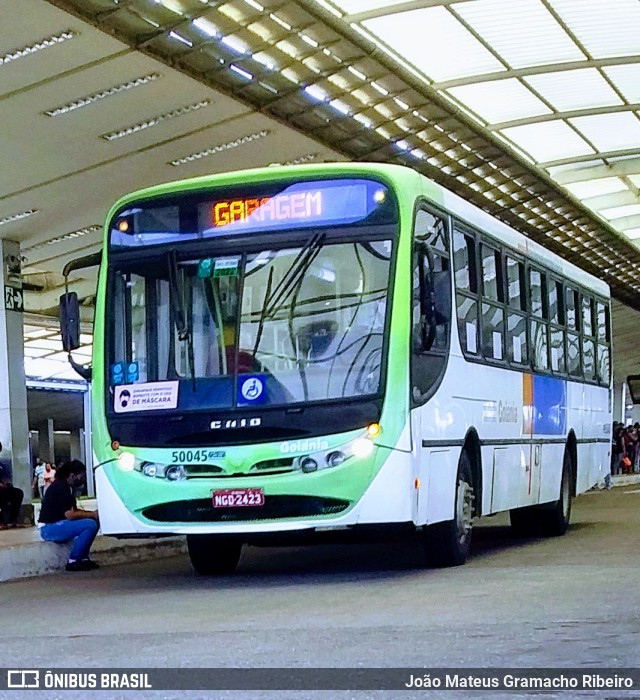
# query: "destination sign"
254,208
300,205
282,207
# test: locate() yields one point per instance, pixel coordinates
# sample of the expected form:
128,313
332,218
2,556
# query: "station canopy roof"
529,108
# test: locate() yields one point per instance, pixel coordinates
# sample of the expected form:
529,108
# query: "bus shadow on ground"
335,562
501,539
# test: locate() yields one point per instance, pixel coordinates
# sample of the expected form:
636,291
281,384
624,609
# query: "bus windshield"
279,326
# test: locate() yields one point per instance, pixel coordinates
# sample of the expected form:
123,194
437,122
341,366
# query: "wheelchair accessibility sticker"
251,390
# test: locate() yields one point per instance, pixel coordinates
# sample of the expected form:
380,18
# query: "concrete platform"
23,553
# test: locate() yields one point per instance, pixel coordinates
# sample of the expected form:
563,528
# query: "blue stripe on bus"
549,405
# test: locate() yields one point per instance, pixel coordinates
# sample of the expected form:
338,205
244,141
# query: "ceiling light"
16,217
340,107
281,22
327,7
179,37
39,46
154,121
241,71
307,158
365,121
316,92
90,99
356,72
172,6
265,60
379,88
67,236
220,148
209,28
234,44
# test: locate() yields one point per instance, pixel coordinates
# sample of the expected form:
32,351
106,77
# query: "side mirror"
633,384
70,321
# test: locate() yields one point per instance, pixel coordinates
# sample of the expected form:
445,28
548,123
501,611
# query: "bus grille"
199,471
202,510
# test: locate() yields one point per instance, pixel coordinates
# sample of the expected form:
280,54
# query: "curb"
39,558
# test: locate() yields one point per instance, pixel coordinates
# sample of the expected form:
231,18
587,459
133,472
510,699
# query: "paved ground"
567,602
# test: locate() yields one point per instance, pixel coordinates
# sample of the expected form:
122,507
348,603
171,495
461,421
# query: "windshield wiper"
179,312
275,300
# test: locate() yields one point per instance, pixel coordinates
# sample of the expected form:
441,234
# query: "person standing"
38,478
10,496
63,521
48,477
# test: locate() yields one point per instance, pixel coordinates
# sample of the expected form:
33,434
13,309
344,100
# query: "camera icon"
23,679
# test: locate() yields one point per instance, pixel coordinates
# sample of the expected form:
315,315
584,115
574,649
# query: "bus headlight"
175,472
308,465
153,469
360,448
335,458
127,461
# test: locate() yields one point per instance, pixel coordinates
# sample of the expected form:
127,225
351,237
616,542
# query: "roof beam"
626,222
536,70
623,168
615,199
600,155
554,116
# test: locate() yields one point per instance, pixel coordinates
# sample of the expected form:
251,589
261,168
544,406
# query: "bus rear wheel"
549,519
554,517
448,543
213,556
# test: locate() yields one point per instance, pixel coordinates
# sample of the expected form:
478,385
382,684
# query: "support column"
619,400
76,444
14,423
46,442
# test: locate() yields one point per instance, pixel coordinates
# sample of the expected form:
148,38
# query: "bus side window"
430,267
556,328
539,327
604,338
492,296
516,318
588,339
466,276
574,364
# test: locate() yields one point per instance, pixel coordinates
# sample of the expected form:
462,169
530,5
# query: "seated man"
10,497
64,521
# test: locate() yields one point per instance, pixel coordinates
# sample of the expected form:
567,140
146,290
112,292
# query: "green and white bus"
296,350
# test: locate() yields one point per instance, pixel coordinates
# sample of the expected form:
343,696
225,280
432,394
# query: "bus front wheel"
213,556
448,543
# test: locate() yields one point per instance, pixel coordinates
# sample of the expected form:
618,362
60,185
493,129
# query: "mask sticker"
153,396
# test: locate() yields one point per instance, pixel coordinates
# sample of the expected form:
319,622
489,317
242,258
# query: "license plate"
238,498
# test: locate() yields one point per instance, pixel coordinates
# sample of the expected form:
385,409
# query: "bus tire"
549,519
448,543
554,517
213,556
